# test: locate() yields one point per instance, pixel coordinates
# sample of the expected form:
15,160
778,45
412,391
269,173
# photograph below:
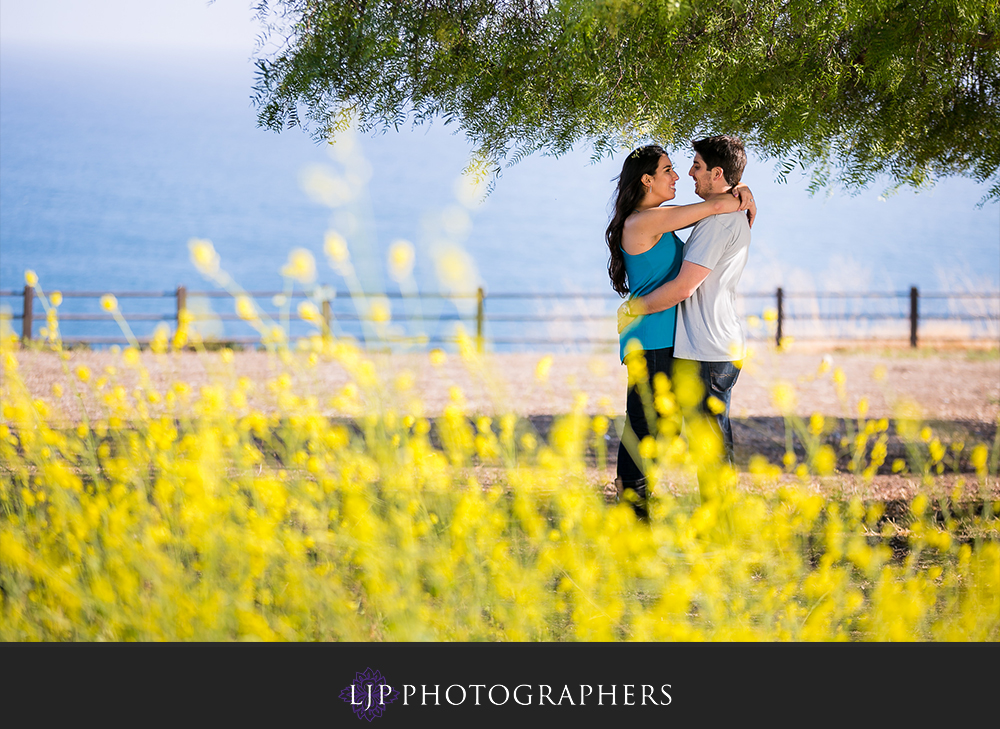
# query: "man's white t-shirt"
708,327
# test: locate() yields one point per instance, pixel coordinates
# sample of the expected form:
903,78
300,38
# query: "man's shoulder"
733,221
721,225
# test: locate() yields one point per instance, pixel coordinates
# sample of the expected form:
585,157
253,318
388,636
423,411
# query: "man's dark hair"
724,152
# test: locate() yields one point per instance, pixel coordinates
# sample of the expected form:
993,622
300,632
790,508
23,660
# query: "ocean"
110,165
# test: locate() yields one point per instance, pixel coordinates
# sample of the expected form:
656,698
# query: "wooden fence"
783,313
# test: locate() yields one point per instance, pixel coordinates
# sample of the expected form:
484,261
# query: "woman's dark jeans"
637,427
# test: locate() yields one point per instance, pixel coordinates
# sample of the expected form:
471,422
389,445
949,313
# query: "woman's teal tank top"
645,272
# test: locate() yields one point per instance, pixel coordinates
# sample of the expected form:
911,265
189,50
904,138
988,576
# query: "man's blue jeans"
719,378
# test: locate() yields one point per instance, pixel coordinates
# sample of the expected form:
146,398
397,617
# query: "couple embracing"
682,296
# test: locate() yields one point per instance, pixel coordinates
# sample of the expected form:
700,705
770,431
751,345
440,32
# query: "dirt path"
958,391
935,385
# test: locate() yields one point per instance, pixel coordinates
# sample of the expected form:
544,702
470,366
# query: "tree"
851,90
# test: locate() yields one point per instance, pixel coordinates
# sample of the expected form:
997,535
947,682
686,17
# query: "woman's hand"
625,315
742,192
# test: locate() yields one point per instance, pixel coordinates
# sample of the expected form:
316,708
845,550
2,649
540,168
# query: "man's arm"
669,294
672,292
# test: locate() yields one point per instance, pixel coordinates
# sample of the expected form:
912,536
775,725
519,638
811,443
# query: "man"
709,331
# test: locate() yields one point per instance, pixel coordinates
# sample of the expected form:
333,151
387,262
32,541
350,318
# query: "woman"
642,258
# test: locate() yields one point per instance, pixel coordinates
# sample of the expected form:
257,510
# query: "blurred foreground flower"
245,308
335,247
160,338
456,269
326,187
203,255
783,397
308,311
301,266
543,368
380,310
401,259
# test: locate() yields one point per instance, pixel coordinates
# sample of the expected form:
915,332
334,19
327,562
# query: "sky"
222,25
122,28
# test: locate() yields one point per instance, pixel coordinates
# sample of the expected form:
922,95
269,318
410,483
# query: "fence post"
914,315
182,295
327,316
480,315
781,315
27,322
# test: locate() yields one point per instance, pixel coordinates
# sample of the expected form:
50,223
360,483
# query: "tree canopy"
851,90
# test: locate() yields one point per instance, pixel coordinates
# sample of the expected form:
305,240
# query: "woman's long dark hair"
642,161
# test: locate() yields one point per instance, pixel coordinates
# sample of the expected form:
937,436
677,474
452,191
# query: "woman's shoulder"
649,247
639,234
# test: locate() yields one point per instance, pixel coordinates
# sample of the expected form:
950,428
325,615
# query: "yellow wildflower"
301,266
401,259
816,423
979,456
380,310
542,368
308,311
783,397
825,461
599,425
715,405
204,257
245,308
335,247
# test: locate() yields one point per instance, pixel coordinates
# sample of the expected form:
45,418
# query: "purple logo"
369,694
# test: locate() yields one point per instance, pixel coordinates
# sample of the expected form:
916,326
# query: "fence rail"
897,307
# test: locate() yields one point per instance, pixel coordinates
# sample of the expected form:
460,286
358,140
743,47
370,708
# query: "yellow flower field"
164,513
179,515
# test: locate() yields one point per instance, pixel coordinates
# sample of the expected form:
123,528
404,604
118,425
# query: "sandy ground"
958,391
944,385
